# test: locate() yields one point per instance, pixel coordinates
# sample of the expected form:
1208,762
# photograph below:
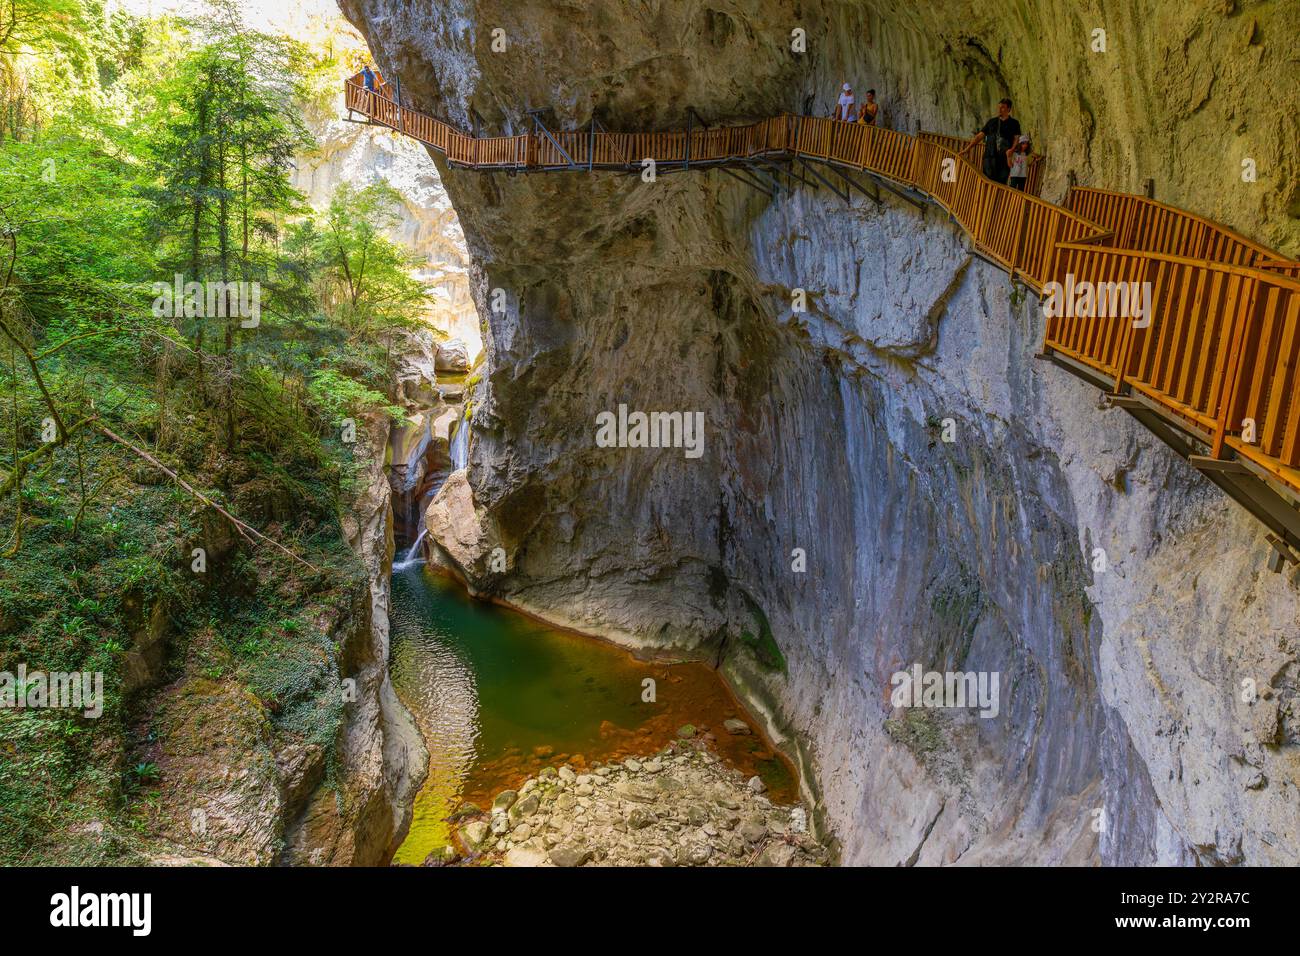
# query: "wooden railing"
1216,349
1217,353
972,153
1142,223
1281,266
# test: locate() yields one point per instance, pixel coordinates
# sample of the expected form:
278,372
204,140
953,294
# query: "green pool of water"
498,695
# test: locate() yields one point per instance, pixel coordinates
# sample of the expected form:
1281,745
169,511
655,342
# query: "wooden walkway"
1213,369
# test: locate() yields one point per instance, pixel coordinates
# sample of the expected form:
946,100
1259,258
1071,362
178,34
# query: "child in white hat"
1018,161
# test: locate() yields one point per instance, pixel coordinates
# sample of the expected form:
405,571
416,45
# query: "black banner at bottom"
339,905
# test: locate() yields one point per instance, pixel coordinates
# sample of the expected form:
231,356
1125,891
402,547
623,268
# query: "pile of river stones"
681,807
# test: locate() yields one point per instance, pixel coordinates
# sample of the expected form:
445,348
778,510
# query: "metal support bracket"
844,194
873,194
763,176
541,128
748,182
779,170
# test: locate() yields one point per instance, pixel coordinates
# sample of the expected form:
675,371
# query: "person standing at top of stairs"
998,136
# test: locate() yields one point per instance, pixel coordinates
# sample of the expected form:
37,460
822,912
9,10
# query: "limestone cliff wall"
1123,735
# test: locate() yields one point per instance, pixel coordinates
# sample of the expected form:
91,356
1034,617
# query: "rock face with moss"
308,758
359,814
831,535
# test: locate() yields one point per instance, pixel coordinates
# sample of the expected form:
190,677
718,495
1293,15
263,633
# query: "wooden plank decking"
1217,359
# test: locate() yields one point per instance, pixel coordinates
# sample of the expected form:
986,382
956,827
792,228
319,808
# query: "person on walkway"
998,136
844,109
867,114
368,77
1018,161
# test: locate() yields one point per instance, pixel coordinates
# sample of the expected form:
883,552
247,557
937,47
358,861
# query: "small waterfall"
413,556
460,446
418,504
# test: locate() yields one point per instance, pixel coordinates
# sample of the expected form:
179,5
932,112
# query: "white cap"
846,87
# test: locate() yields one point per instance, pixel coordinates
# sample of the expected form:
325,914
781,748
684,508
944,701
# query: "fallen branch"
247,532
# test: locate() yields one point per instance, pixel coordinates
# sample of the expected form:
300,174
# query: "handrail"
1283,266
1140,222
969,151
963,146
1217,353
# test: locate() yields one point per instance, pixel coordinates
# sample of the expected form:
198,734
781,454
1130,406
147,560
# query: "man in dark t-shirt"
999,135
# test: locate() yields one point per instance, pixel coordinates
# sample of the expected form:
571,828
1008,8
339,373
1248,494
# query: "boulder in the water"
474,835
453,356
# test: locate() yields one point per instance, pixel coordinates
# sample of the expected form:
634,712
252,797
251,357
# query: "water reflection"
498,696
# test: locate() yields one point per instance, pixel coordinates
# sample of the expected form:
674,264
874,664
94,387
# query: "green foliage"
300,685
133,151
1018,293
341,396
56,28
368,285
43,24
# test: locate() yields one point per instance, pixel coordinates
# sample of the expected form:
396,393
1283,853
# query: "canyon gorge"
830,534
746,510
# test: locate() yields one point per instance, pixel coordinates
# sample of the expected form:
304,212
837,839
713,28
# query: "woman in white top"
845,111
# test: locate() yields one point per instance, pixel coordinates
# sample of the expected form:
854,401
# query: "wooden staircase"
1213,369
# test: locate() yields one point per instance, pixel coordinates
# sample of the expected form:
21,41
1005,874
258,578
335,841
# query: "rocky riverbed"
683,806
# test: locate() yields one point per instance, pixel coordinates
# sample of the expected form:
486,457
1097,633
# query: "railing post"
916,161
1055,266
688,139
1130,332
1231,369
985,212
1020,238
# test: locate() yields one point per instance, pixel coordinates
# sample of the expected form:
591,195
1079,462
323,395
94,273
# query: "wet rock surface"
681,807
453,356
1122,700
